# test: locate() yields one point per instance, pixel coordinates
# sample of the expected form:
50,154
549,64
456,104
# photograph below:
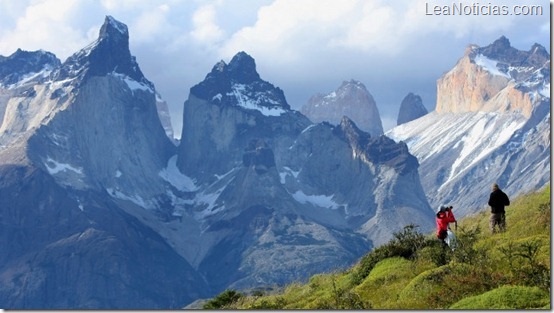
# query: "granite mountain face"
279,197
351,99
491,124
100,209
411,108
75,139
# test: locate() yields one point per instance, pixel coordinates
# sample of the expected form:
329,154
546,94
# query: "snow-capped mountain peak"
113,27
239,84
24,66
108,54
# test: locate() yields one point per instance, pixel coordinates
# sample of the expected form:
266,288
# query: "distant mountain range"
102,210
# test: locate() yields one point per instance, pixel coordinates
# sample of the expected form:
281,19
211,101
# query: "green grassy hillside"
509,270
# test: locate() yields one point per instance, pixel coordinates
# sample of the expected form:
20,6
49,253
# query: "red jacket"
443,218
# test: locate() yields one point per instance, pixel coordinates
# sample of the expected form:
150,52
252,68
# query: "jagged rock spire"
411,108
239,84
109,53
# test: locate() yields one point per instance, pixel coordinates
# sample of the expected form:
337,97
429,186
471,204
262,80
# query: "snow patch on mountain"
477,134
239,91
172,175
136,199
131,83
489,65
481,140
55,167
31,77
322,201
288,172
209,200
545,91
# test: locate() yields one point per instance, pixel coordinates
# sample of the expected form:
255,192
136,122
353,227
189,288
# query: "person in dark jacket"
497,201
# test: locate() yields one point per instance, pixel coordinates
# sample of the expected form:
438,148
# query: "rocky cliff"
495,78
411,108
270,185
351,99
77,139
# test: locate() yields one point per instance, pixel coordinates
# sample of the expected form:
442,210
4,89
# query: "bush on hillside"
405,244
223,300
439,287
530,272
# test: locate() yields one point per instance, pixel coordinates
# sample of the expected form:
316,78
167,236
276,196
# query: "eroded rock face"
495,78
411,108
226,111
351,99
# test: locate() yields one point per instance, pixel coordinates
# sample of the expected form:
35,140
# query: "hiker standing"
497,200
444,217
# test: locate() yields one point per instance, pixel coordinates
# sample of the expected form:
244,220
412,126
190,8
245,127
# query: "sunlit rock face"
495,78
491,124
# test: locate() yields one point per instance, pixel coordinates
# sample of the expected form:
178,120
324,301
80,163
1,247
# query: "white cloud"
47,25
206,29
287,25
302,46
121,5
291,29
152,23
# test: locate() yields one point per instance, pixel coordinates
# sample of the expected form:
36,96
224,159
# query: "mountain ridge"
492,135
250,186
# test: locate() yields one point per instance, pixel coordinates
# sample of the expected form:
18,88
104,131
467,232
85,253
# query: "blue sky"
302,46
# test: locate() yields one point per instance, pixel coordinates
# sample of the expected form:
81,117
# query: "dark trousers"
497,219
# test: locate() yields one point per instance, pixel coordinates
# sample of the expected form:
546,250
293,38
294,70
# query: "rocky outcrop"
351,99
165,118
25,65
495,78
226,111
411,108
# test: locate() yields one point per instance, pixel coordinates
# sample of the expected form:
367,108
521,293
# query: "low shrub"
223,300
507,297
405,244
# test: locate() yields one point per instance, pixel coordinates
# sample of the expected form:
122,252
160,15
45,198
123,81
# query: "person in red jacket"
444,217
